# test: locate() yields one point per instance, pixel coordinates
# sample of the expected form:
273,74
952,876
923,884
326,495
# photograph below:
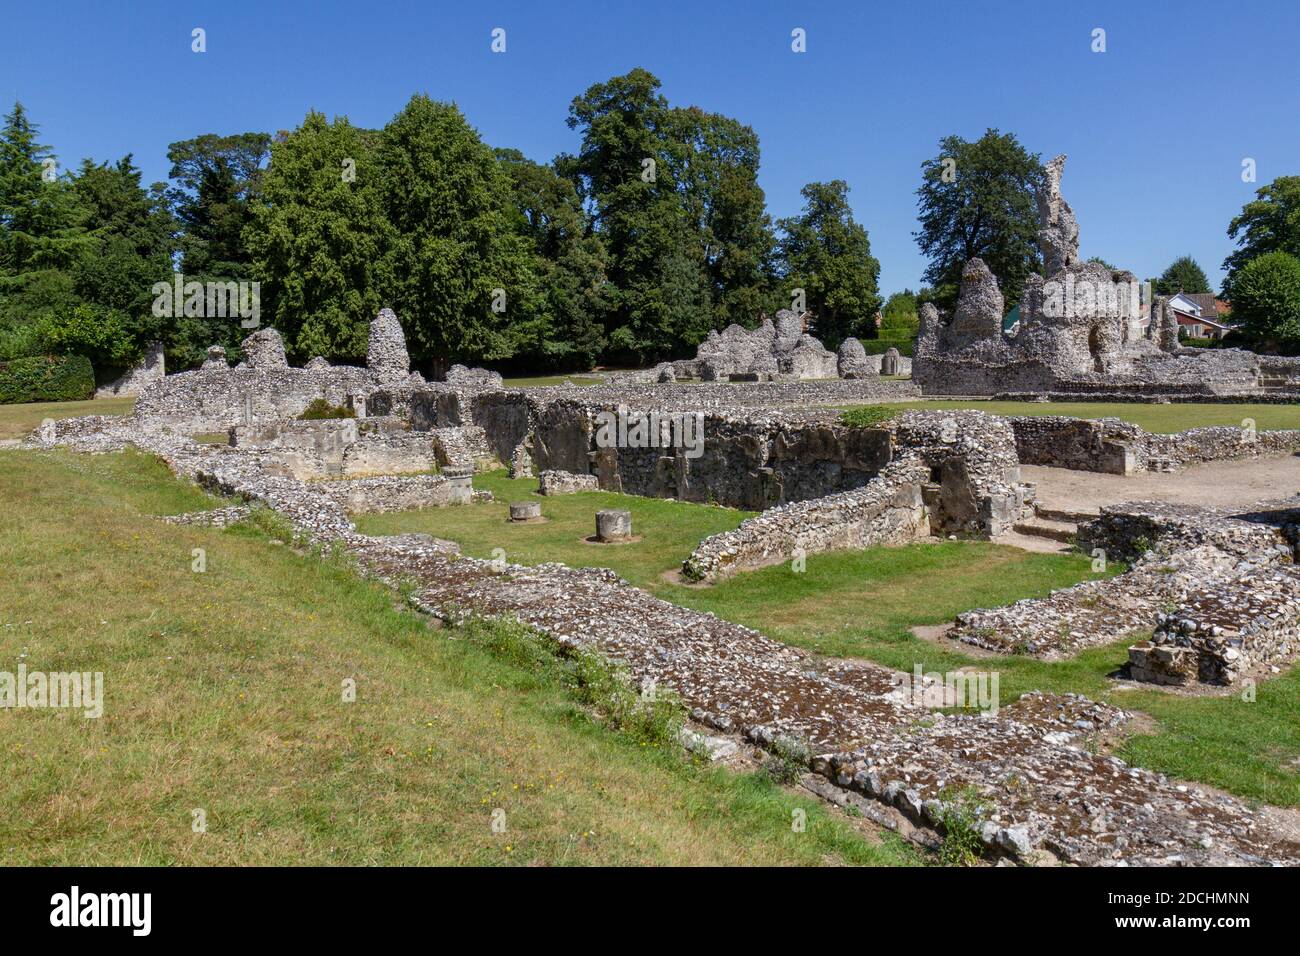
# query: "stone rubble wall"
1266,533
565,483
1218,591
152,368
887,510
214,400
1042,791
388,493
354,447
1112,446
1217,635
947,473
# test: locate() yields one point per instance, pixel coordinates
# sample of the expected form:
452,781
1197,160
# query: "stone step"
1063,531
1029,542
1065,515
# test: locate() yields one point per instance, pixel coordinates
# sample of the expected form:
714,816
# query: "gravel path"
1219,484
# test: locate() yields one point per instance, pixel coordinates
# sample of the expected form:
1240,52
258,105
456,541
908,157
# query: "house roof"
1187,318
1210,304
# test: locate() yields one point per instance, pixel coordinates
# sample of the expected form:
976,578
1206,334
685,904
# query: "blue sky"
1156,127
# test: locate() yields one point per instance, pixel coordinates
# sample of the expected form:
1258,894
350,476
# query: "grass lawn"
1154,418
669,530
18,421
537,380
864,604
222,692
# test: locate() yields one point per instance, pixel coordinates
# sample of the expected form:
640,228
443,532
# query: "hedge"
46,378
881,346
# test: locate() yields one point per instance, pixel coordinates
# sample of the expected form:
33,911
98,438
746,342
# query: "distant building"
1201,315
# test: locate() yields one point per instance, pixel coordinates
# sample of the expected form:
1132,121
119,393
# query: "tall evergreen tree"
1183,275
134,238
217,183
42,232
978,199
317,239
570,263
827,253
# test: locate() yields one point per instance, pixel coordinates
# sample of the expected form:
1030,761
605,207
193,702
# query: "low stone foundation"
565,483
1216,636
888,510
1112,446
1219,593
391,493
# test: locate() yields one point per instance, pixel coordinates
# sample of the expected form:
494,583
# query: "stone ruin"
1083,330
152,368
773,352
1210,596
819,485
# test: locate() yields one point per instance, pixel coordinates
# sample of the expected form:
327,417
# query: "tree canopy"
1266,299
826,253
1268,223
977,199
1183,275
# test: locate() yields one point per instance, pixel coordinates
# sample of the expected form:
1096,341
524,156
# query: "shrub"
651,717
880,346
789,759
319,408
868,416
46,378
960,819
1266,297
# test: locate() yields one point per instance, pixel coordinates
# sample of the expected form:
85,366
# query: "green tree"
317,239
1266,299
826,253
714,161
42,232
978,199
1183,275
674,194
570,263
1268,223
217,182
134,238
899,316
624,171
453,253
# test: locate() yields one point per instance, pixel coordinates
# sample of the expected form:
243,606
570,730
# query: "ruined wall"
1217,635
1264,534
388,493
1112,446
1081,327
152,368
887,510
216,399
945,473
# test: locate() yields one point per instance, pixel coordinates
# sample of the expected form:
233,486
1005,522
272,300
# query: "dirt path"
1220,484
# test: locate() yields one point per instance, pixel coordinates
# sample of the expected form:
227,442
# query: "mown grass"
533,381
18,421
865,604
668,530
223,692
1164,419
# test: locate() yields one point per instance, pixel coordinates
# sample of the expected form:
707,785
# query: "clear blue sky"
1156,127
